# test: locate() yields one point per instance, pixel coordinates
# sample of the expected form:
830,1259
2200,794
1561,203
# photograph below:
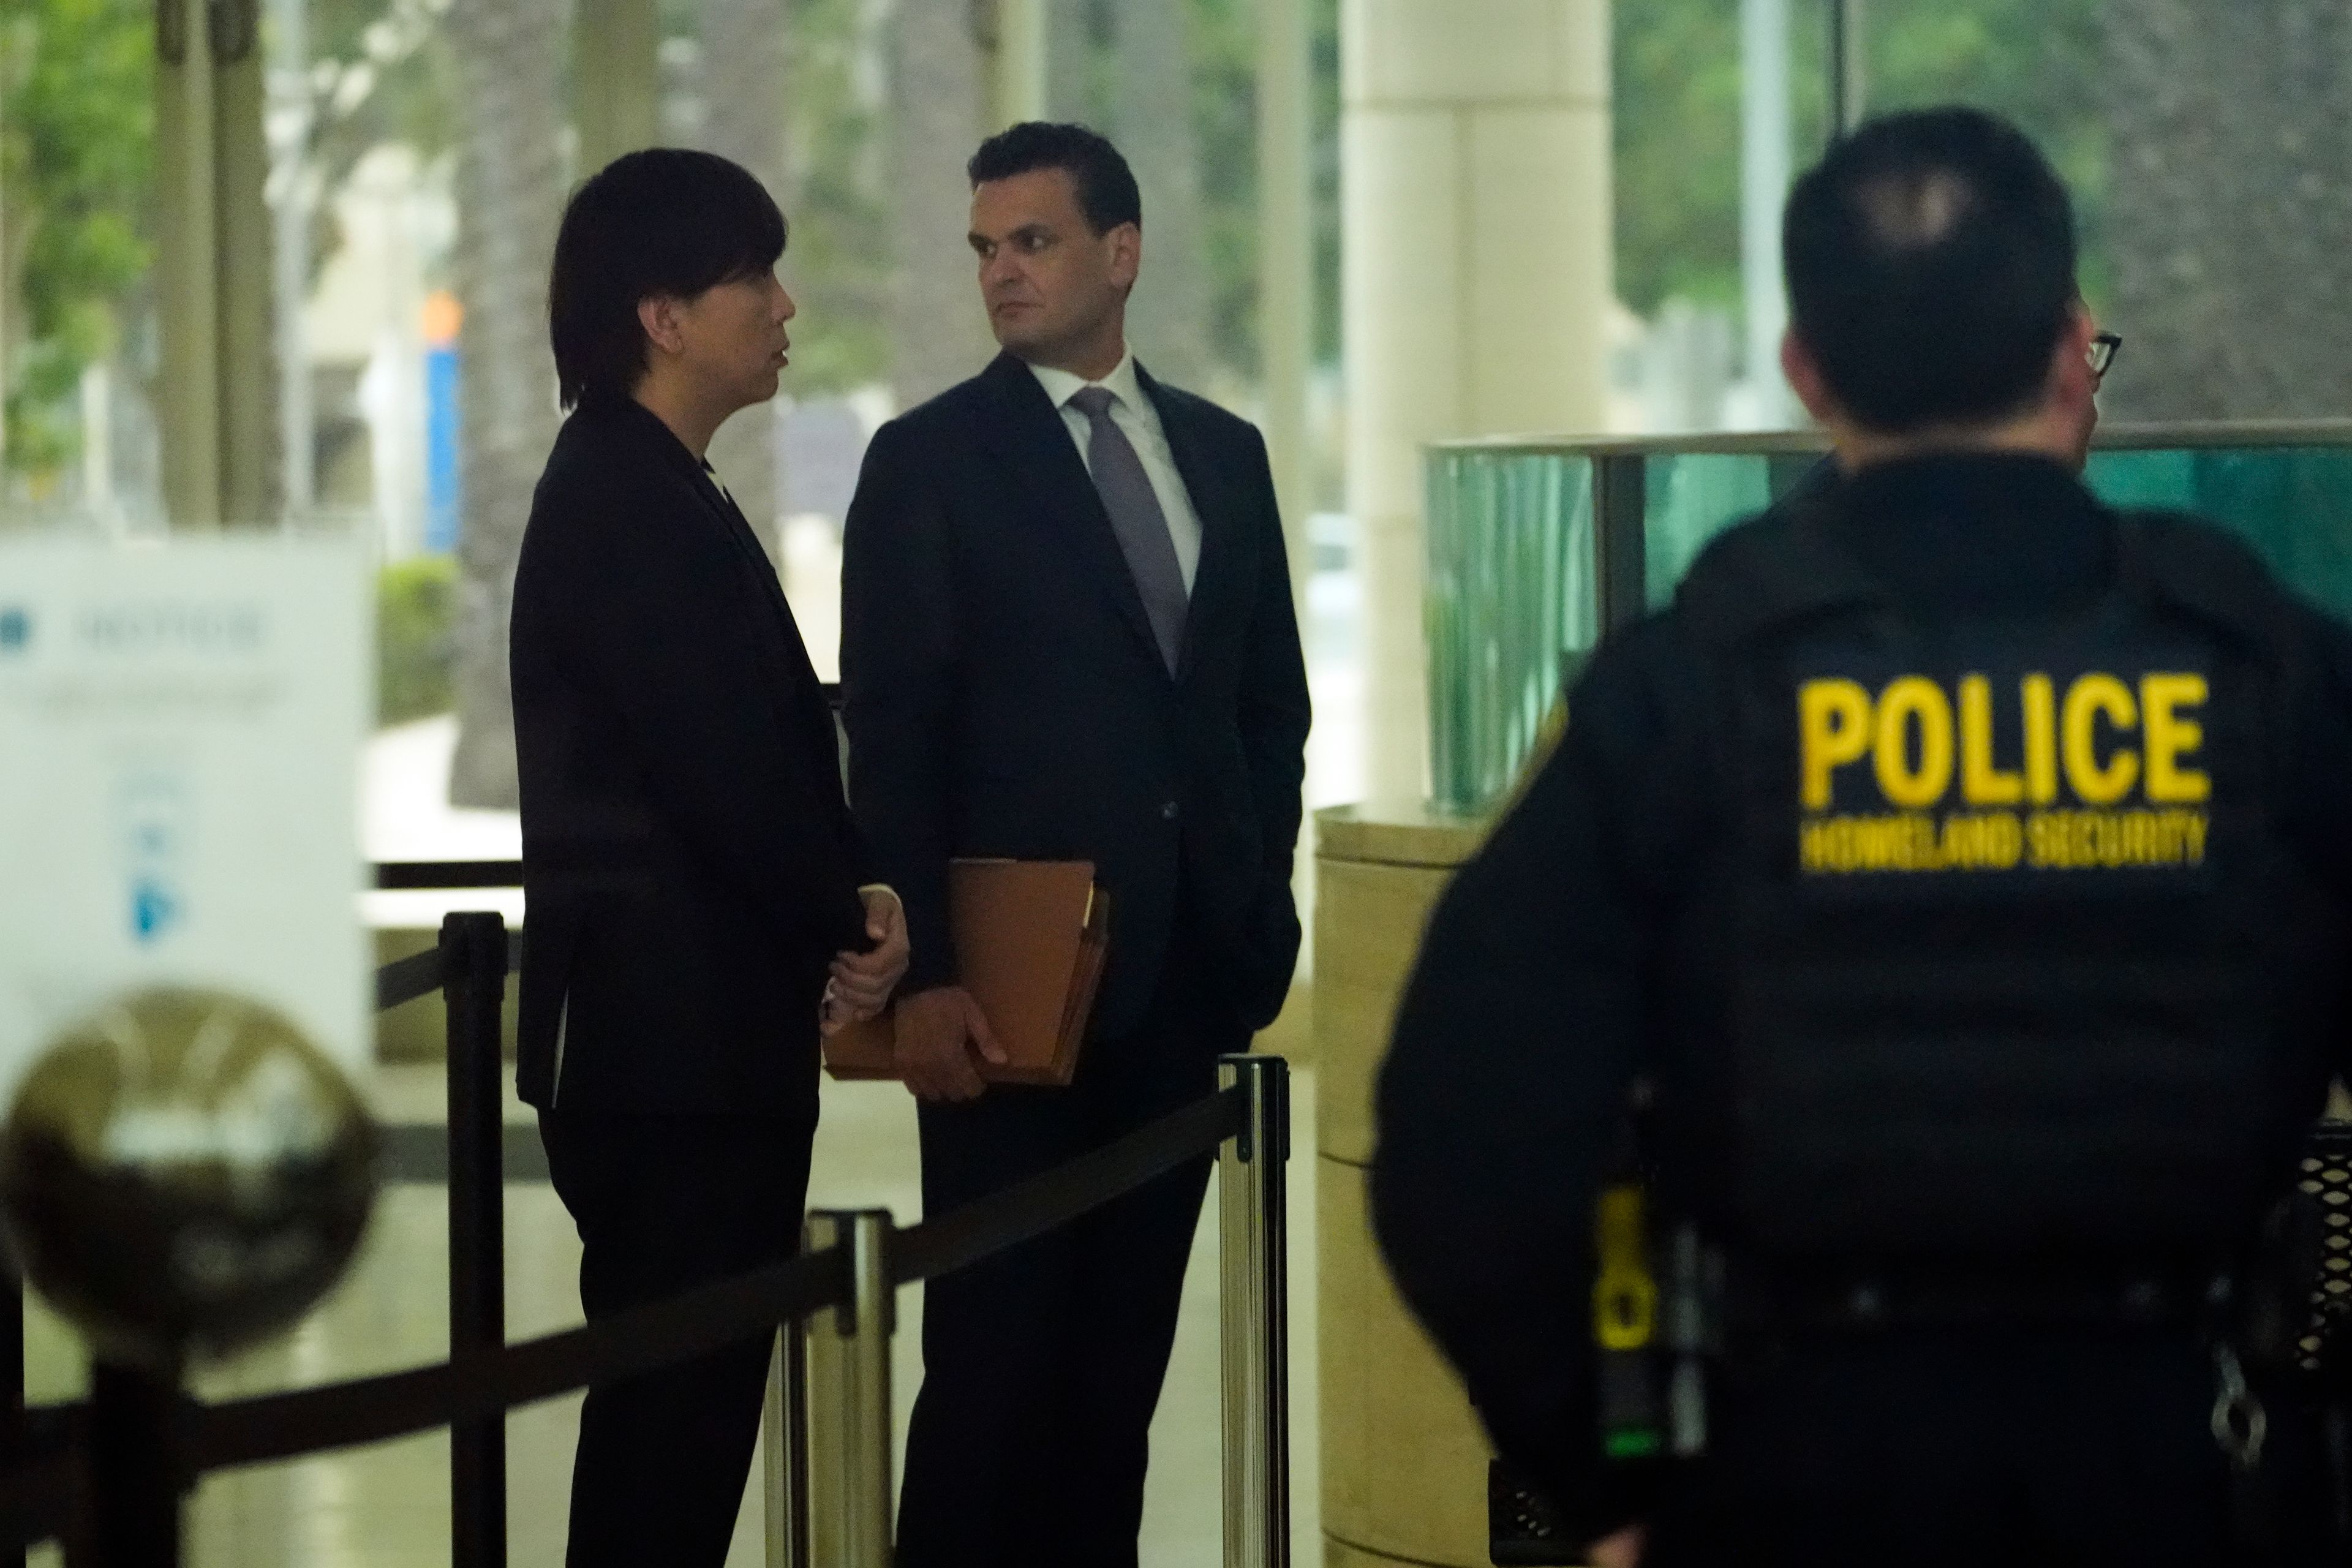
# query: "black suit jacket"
689,861
1006,695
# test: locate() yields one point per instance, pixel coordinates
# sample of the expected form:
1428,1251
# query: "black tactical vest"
2004,962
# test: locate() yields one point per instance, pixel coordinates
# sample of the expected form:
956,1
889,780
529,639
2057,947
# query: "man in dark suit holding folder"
1067,634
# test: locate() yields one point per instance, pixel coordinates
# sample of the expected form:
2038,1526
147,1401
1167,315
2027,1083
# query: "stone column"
1168,319
2229,225
938,109
616,79
1286,309
509,57
1476,244
744,75
216,391
1024,61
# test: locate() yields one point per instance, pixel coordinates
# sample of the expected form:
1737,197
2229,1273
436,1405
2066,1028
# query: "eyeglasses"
2103,354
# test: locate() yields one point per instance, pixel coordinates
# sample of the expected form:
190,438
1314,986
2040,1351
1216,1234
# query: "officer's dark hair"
1106,185
662,223
1930,260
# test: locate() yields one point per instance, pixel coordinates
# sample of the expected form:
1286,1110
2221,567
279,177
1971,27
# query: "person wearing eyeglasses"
1816,482
1958,878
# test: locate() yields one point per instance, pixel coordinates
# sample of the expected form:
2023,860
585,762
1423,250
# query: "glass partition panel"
1511,595
1688,499
2292,504
1516,543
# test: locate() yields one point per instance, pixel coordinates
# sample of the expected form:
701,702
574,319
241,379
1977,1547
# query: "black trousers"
664,1203
2086,1449
1043,1365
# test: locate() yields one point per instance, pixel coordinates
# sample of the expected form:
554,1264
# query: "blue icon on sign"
155,833
154,909
16,630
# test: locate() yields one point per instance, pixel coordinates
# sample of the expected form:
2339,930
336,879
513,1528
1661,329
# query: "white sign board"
180,732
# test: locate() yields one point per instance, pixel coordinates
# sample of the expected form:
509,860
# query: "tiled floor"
388,1506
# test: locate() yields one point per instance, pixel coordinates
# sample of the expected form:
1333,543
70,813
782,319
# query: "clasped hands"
859,985
941,1036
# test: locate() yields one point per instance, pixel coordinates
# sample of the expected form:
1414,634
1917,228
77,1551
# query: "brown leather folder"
1029,941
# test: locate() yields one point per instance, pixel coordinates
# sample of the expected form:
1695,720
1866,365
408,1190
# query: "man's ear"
657,314
1805,379
1125,254
2071,383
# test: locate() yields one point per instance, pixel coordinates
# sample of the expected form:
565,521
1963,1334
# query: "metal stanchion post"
474,983
784,1434
1255,1343
132,1488
12,1377
849,1397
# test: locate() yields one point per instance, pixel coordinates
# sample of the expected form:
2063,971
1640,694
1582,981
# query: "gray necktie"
1135,518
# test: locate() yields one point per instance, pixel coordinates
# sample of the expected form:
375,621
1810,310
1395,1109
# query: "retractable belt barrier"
829,1455
273,1426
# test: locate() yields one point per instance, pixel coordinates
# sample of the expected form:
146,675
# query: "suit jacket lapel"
1213,576
724,514
790,686
1029,435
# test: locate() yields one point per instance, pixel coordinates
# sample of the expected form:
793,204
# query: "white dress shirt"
1131,410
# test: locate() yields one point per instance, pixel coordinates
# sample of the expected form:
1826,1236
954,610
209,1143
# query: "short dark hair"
663,222
1106,191
1930,260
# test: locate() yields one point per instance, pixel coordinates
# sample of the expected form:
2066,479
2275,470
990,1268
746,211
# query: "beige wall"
1476,210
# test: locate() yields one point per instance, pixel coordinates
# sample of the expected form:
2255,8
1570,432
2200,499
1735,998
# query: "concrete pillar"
746,71
1476,244
1070,50
1286,294
1766,169
217,388
940,105
616,79
292,201
1023,64
1848,65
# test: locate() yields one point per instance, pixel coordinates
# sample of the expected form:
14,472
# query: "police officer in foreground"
1963,866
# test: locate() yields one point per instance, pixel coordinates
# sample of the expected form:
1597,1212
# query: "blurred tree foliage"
417,602
838,262
77,133
77,140
76,176
1678,88
380,71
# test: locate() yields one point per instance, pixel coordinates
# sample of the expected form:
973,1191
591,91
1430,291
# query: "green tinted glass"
1510,593
1513,603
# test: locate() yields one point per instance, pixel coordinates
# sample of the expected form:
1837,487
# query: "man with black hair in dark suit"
1068,634
693,875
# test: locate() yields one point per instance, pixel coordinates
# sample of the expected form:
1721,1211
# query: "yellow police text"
2106,739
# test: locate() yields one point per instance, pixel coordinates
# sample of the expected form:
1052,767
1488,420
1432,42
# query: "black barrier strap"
373,1409
412,875
1061,1194
406,979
